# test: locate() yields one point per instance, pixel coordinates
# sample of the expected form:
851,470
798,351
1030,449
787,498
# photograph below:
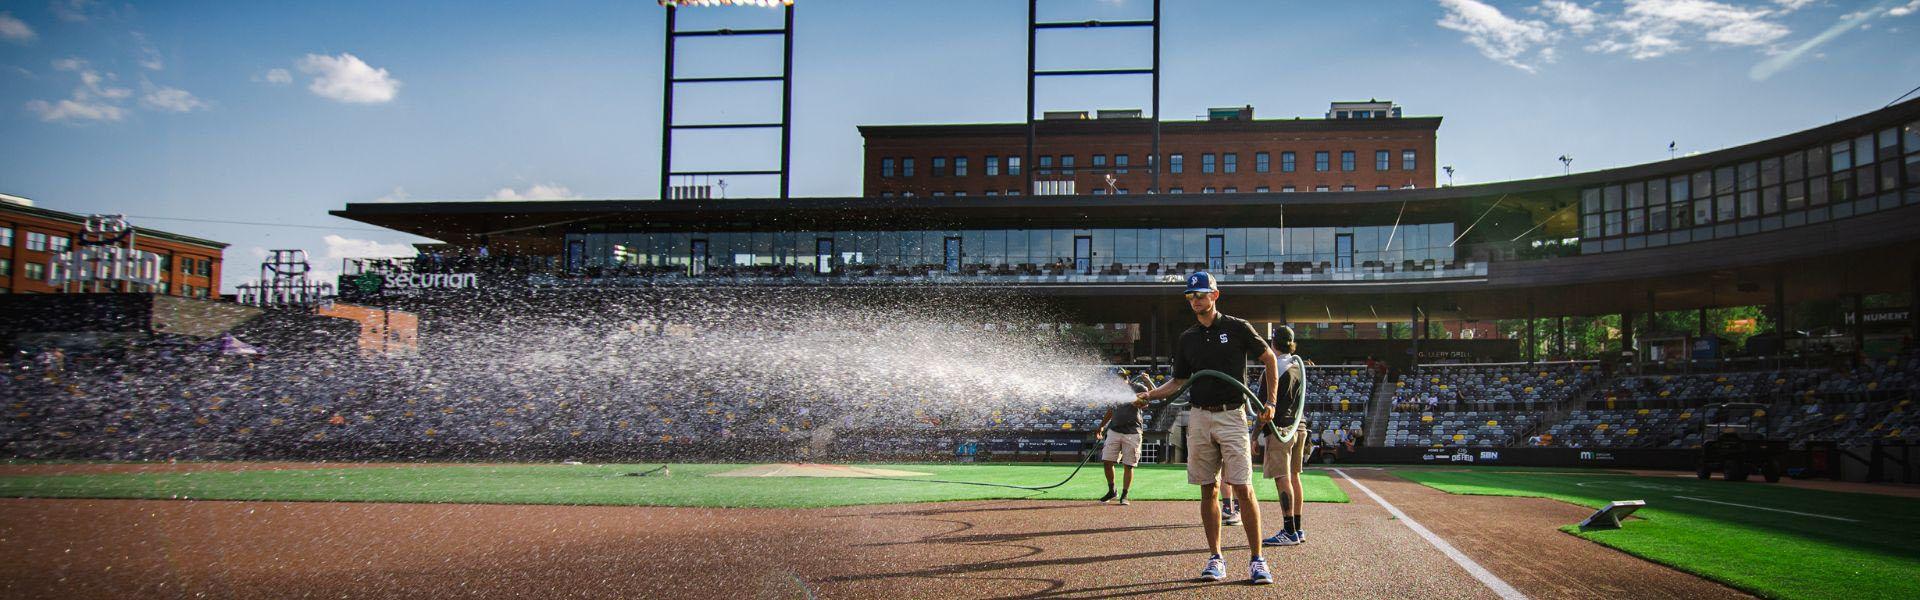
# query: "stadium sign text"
436,281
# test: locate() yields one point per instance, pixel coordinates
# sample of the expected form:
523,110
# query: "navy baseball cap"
1201,281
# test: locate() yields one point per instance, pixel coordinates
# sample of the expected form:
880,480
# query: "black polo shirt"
1224,347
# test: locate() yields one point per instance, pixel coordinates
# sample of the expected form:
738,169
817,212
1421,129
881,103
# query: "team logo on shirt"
1223,338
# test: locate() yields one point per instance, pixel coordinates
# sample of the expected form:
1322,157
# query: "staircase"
1378,411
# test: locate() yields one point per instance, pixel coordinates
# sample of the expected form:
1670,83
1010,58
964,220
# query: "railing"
775,276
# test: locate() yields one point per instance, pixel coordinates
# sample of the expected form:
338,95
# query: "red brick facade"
1084,140
192,266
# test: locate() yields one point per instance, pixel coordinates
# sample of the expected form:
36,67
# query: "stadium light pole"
1566,160
786,91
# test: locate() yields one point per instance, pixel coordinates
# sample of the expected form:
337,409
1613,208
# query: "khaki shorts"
1218,448
1123,448
1283,458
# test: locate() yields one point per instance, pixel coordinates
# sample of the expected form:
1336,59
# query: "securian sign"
446,281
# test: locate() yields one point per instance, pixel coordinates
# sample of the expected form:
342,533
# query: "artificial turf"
688,485
1772,554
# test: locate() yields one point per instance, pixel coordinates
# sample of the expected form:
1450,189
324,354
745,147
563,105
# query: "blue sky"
276,112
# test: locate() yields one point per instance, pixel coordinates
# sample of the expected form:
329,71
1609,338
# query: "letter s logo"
1223,338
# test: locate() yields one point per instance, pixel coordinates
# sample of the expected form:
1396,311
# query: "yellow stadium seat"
1426,418
1633,431
1600,427
1457,437
1493,423
1641,411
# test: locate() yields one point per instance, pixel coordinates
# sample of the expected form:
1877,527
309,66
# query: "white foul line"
1493,582
1791,512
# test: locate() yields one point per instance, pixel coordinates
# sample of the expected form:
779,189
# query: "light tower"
668,126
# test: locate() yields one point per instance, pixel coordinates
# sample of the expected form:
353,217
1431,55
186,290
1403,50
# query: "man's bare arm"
1165,390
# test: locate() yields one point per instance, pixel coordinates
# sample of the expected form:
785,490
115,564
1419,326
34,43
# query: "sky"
247,122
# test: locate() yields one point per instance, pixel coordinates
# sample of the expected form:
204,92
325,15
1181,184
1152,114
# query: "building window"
59,243
1407,160
1286,189
6,267
1206,163
886,167
1381,187
906,167
6,237
1120,164
1382,160
1176,163
1262,162
960,193
993,192
36,241
1099,163
1232,162
1176,191
939,194
1207,190
1262,189
1013,165
1346,160
1319,188
1346,188
36,271
959,166
1286,162
1232,190
939,166
1013,192
886,194
1099,192
1046,165
1320,160
1066,164
993,166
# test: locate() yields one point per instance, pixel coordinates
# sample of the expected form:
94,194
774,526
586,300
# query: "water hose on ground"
1291,429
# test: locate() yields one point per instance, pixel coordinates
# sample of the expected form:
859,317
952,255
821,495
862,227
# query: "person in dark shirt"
1219,448
1121,431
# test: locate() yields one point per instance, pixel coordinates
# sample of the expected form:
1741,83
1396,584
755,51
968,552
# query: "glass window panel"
1703,212
1749,204
1610,197
1795,166
1749,176
1864,182
1910,137
1703,185
1613,224
1863,150
1817,160
1657,218
1657,192
1913,168
1770,199
1636,195
1889,142
1723,181
1590,200
1840,187
1681,216
1636,221
1725,209
1796,195
1817,191
1840,156
1889,176
1677,189
1770,171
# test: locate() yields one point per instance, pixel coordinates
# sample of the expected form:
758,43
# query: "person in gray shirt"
1121,431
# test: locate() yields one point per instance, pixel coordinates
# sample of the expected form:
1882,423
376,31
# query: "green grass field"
689,485
1859,546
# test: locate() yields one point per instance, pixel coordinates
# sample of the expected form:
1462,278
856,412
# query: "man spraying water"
1219,448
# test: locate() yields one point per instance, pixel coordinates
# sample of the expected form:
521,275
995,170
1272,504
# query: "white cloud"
339,247
149,56
1506,40
399,194
1654,28
1904,9
1577,18
171,99
275,77
72,10
538,191
15,30
1792,5
346,78
95,100
73,110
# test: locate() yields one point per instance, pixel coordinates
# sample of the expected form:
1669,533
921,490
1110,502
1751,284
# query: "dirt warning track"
982,549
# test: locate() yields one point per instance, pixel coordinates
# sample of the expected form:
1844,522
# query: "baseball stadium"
1003,372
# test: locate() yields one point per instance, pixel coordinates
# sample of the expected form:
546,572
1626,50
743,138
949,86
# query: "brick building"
31,236
1358,146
